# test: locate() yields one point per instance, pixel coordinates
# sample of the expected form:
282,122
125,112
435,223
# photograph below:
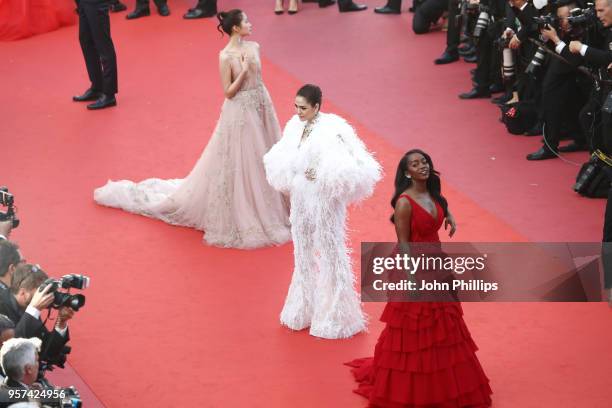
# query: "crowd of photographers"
28,348
551,63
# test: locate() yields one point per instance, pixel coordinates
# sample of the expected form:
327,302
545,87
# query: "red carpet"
171,322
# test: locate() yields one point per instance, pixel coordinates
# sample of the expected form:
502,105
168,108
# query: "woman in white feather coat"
322,164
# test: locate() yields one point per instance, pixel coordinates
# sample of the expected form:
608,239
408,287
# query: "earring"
408,176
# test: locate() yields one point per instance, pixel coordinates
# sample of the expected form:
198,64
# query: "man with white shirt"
19,359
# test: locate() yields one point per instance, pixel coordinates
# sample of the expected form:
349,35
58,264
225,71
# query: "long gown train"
226,194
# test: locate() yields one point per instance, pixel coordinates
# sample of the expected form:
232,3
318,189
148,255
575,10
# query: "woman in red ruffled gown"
425,356
25,18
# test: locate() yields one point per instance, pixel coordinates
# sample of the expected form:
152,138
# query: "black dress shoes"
476,93
392,7
326,3
117,7
473,58
573,147
105,101
536,130
139,12
163,10
198,13
351,6
543,154
447,58
88,95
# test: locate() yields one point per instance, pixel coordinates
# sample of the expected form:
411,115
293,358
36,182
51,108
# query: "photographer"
5,229
10,258
23,304
602,59
488,28
562,97
19,359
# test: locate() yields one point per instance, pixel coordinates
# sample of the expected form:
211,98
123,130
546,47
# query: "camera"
482,23
61,299
582,17
8,200
545,20
536,62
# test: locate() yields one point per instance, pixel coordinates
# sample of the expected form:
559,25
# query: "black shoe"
543,154
163,10
447,58
88,95
468,50
471,58
139,12
117,7
476,93
104,101
325,3
392,7
352,7
573,147
198,13
502,99
497,88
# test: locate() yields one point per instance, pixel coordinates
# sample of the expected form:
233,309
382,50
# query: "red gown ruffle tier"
25,18
425,356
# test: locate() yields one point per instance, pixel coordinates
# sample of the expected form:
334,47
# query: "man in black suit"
99,52
24,303
204,9
142,9
10,258
562,98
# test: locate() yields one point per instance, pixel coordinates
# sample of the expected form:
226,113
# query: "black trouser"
144,4
97,46
429,12
561,105
488,67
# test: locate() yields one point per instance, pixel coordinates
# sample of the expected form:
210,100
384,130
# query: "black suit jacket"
28,326
598,57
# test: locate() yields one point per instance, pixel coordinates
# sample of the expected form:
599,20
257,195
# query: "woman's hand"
450,220
245,62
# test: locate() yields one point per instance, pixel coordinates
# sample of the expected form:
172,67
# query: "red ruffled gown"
425,356
25,18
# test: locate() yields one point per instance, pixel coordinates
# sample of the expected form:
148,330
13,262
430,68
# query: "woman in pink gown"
25,18
226,194
425,356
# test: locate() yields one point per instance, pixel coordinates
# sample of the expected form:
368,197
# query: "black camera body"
8,200
547,20
62,299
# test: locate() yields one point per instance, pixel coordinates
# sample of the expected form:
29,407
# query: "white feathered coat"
322,295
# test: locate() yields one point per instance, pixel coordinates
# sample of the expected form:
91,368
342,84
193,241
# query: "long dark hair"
229,19
402,183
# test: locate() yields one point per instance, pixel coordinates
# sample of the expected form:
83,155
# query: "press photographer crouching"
24,302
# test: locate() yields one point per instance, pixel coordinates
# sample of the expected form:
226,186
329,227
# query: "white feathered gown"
322,294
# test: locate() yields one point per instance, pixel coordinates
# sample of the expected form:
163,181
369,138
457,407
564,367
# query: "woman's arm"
450,220
402,217
231,88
